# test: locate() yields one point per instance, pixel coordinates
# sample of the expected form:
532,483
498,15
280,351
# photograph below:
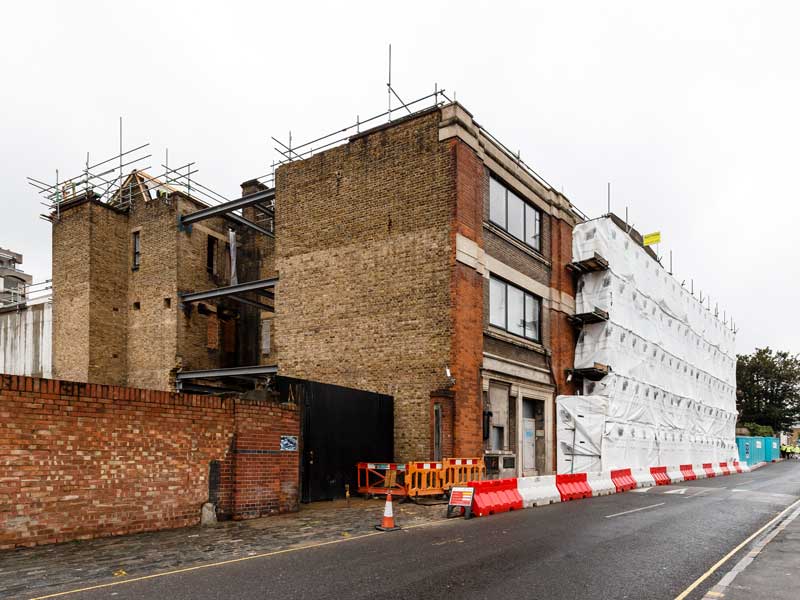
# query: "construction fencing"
419,478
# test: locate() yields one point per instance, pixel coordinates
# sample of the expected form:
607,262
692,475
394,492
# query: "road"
641,545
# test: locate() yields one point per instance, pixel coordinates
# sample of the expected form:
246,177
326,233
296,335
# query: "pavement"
678,541
768,569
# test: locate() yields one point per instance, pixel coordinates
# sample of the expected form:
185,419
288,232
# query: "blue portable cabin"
751,449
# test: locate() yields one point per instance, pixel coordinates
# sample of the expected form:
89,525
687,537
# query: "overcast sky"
688,108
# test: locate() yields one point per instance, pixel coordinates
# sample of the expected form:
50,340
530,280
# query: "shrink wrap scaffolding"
670,395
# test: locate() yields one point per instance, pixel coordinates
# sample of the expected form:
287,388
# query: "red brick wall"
563,336
466,291
265,478
82,460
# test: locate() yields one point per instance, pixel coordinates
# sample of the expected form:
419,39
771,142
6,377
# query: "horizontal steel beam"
230,290
229,372
227,207
248,223
253,303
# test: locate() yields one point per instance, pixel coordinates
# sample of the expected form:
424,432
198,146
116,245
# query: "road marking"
627,512
677,491
231,561
703,491
730,554
642,490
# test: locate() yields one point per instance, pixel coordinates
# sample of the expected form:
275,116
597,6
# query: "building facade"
26,316
423,261
12,280
118,270
419,260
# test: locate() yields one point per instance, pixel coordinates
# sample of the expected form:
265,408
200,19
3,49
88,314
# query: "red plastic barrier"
708,469
660,475
688,473
495,496
623,479
573,486
737,466
724,468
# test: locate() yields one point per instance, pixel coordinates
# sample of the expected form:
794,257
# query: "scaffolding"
118,180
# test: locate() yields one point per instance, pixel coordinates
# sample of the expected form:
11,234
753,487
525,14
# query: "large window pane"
497,202
532,317
516,311
516,216
533,227
497,303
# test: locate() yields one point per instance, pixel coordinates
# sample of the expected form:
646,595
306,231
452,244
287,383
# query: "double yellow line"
730,554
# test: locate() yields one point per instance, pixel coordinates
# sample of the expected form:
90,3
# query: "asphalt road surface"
648,544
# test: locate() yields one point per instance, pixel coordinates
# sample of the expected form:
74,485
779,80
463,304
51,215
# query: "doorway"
533,438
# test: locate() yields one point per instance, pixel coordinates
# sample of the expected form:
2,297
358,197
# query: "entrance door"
528,438
533,440
528,447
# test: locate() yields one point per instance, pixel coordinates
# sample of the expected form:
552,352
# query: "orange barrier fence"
424,479
419,478
381,478
460,471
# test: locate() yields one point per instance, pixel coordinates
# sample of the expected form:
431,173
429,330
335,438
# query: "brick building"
118,269
419,260
419,248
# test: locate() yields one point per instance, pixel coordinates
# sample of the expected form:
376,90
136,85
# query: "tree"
768,388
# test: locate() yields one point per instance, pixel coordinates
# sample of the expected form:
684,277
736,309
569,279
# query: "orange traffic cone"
388,517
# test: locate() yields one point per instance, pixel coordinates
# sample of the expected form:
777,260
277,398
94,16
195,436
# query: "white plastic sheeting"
26,340
669,398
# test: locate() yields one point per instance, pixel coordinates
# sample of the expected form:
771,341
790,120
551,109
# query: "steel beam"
231,290
253,303
245,223
229,372
227,207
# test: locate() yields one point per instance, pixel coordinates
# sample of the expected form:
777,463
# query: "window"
497,202
137,250
514,309
516,215
533,227
211,252
515,321
497,303
513,214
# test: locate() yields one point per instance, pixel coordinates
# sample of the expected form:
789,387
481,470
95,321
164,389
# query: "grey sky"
688,108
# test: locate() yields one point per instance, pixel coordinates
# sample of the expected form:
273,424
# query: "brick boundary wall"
80,461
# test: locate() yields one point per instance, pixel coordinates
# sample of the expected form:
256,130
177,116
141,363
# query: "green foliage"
758,430
768,391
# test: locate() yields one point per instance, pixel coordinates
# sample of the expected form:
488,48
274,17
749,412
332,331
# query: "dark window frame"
211,255
136,240
525,295
537,212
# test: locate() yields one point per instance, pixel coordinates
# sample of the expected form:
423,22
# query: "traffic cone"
388,517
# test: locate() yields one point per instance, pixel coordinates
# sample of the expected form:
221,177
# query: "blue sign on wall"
288,443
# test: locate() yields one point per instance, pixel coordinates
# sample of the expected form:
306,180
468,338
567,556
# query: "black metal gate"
341,427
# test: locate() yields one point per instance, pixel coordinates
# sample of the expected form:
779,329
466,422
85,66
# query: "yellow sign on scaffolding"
652,238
